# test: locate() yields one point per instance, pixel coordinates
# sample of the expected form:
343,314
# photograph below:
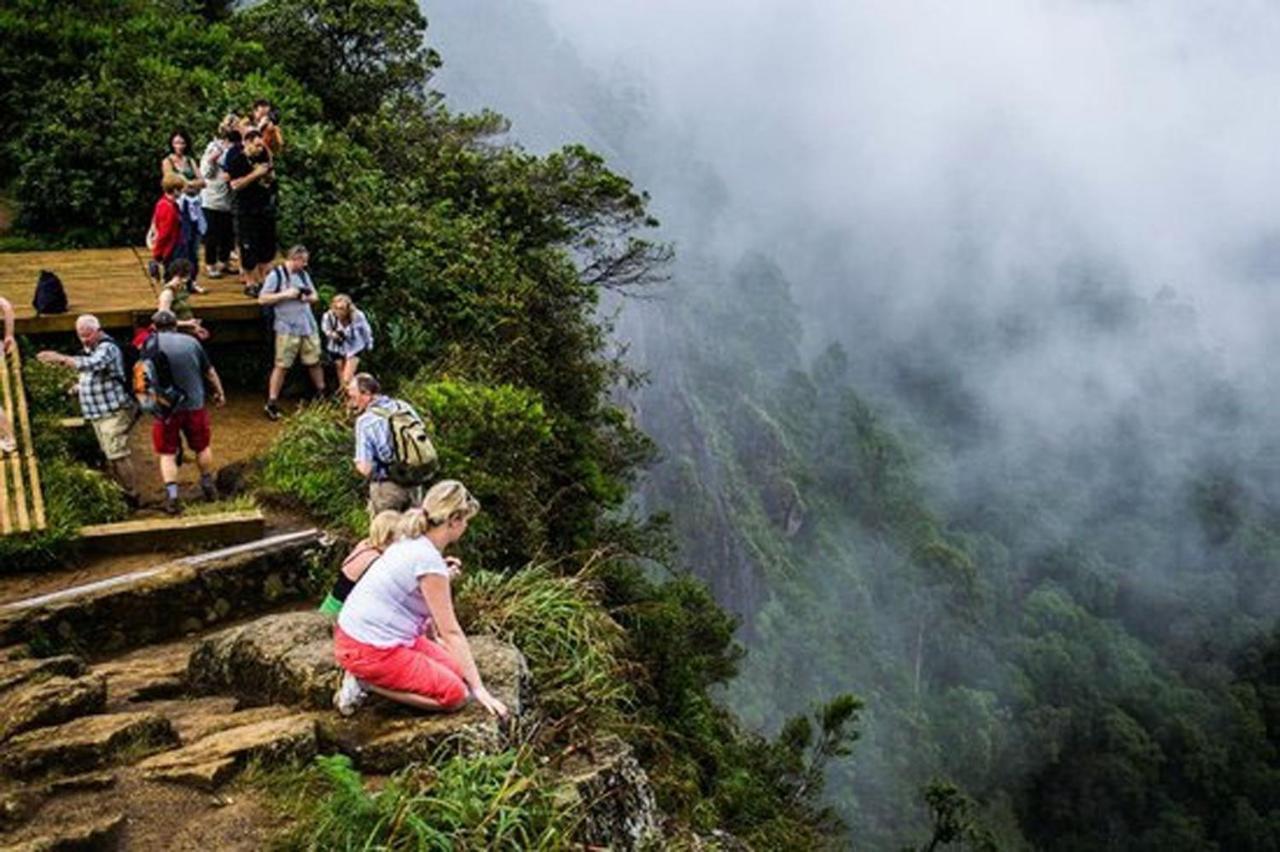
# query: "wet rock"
51,701
85,744
286,658
19,671
607,787
101,833
211,760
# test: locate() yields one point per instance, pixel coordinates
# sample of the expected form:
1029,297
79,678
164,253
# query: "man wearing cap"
189,367
253,185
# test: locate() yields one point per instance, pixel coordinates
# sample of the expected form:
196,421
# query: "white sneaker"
350,695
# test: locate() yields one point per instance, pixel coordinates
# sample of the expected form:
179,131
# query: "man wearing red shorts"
189,367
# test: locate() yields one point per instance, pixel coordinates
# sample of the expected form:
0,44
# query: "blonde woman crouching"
379,639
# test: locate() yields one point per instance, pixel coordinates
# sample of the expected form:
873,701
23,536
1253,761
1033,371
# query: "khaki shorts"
388,495
113,433
290,348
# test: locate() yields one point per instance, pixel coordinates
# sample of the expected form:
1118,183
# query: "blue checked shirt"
373,436
103,388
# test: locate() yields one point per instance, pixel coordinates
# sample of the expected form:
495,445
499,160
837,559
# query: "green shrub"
74,496
309,466
496,440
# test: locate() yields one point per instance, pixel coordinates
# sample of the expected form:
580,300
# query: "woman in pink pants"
379,639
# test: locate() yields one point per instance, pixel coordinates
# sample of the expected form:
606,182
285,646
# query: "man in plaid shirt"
105,399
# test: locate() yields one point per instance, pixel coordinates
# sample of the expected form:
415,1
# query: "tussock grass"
575,649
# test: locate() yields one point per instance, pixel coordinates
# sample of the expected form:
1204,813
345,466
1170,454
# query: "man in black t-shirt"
253,181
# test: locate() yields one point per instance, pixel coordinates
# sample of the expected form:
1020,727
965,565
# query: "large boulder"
277,659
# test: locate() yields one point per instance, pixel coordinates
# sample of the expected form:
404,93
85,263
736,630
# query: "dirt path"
240,432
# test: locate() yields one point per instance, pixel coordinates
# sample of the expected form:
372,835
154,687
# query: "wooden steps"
150,534
21,499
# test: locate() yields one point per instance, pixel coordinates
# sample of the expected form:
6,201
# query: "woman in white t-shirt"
379,640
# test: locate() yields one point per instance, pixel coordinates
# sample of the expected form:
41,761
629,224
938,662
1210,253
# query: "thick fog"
940,177
1044,232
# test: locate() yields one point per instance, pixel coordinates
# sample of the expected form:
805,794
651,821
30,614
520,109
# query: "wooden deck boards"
109,283
21,499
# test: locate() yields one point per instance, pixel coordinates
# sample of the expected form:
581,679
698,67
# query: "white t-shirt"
386,607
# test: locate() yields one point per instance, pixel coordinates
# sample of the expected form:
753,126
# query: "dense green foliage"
481,267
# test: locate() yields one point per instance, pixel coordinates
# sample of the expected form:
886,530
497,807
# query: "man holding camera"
253,182
289,293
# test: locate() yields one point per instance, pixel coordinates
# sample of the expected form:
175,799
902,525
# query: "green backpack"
415,455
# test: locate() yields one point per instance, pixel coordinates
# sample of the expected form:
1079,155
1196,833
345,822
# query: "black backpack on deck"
51,296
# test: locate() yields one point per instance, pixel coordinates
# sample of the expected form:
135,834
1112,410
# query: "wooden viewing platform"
111,284
21,500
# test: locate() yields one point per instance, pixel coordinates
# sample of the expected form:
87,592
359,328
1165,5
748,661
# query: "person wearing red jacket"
166,225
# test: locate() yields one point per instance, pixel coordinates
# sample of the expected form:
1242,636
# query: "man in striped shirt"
105,400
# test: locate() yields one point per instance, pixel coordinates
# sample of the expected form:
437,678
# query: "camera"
274,115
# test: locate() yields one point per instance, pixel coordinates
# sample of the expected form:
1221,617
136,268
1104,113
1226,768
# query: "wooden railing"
21,500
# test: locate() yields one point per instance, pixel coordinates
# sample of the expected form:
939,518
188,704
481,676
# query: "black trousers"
220,236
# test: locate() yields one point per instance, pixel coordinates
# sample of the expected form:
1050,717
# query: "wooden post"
37,498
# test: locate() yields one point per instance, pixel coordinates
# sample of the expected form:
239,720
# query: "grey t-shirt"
188,363
292,316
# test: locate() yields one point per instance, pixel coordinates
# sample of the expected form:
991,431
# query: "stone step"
97,833
215,758
85,744
51,701
182,596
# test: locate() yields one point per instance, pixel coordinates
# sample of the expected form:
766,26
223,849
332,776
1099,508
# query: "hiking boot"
172,506
8,445
272,411
350,695
208,489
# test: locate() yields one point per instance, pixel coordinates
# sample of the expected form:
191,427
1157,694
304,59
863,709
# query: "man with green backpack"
393,450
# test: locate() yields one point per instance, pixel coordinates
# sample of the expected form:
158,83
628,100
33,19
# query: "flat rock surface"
50,701
14,672
84,744
150,673
158,816
210,760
